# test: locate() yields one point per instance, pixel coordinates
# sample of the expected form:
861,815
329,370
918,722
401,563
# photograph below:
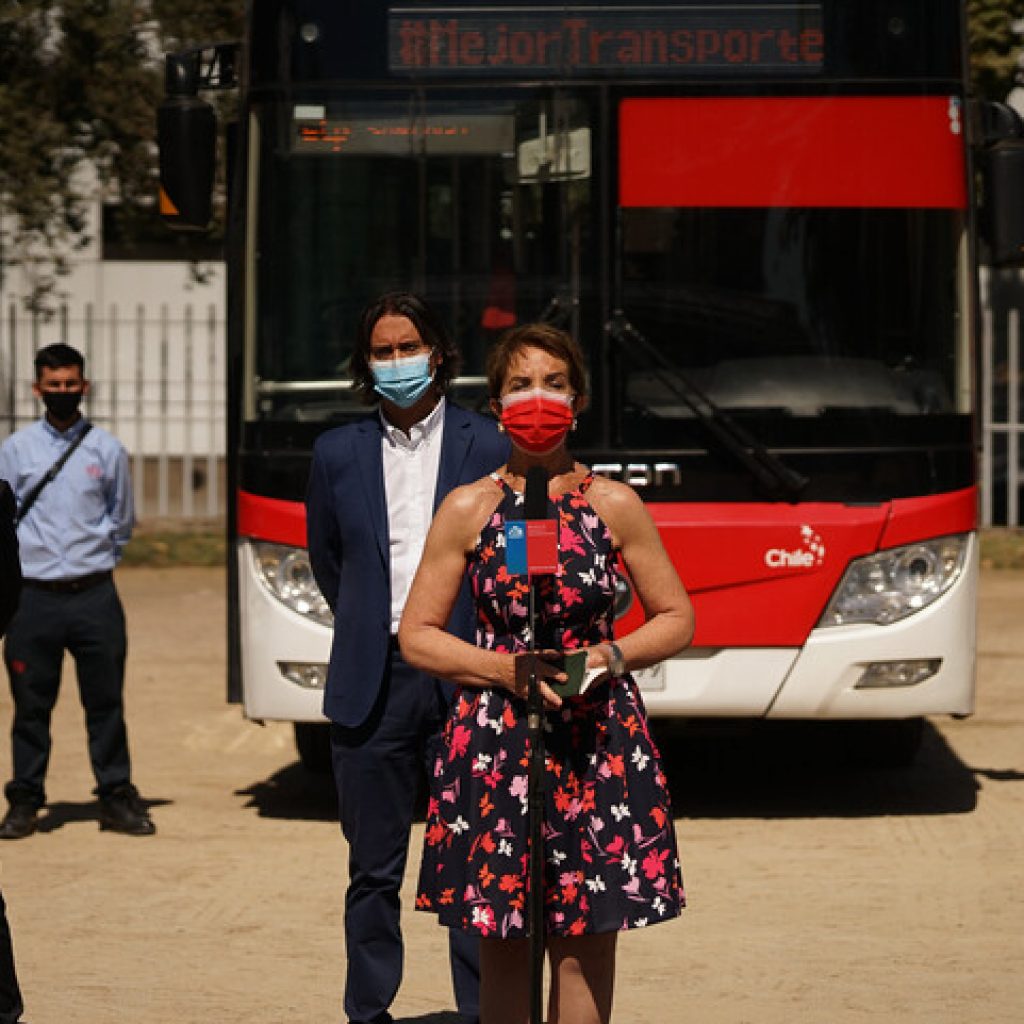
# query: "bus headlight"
893,584
287,574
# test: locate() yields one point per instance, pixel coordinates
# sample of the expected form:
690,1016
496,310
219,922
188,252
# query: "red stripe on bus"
760,575
934,516
281,522
806,151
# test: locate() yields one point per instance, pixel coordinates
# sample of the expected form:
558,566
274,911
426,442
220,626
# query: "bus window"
482,208
806,290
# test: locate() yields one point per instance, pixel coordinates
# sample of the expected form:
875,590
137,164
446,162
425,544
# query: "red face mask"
537,420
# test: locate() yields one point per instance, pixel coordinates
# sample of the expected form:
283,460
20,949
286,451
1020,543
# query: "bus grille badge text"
809,555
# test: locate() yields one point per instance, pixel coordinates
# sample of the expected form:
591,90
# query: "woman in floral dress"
610,860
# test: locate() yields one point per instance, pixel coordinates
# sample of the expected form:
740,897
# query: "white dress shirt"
411,463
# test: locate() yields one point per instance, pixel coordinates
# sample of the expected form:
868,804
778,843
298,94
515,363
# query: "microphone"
539,555
531,544
536,504
541,532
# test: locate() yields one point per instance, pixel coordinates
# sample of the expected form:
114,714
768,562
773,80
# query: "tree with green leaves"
80,81
996,46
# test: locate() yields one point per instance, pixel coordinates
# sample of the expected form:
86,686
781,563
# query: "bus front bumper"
284,654
922,665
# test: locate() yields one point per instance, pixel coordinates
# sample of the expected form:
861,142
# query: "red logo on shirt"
95,470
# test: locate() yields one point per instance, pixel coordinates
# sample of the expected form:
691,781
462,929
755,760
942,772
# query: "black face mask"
62,405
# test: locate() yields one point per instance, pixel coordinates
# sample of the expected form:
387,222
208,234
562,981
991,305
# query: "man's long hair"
426,322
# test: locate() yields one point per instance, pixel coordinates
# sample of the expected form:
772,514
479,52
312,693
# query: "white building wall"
154,342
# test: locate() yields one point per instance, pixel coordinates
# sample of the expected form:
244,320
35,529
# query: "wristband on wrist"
616,662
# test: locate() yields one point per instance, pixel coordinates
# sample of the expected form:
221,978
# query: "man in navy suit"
373,488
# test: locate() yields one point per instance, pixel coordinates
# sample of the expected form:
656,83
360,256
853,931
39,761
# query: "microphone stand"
535,790
538,561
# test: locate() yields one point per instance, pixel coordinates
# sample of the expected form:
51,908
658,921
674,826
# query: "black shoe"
122,811
20,821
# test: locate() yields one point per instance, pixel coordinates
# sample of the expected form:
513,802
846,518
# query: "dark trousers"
11,1006
90,625
378,769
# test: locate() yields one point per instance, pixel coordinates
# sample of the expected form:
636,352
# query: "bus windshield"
800,273
798,311
789,254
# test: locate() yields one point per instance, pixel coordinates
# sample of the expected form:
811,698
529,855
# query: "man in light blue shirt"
71,534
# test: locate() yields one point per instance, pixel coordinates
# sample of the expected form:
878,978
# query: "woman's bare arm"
670,621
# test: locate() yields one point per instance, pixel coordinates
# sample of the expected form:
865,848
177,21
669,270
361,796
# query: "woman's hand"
599,656
545,664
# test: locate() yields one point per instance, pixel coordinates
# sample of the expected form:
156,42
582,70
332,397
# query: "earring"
501,427
573,427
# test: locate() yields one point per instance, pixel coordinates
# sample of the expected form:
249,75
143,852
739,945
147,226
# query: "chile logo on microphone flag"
531,546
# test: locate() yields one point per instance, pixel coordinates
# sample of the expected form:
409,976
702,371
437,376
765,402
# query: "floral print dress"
610,858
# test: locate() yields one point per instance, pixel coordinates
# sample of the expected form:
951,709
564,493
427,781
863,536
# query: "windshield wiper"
770,471
558,311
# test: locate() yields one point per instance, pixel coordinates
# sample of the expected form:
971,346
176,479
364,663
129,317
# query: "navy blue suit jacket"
347,528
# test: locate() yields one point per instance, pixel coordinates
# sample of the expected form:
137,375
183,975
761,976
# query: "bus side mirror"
1002,170
186,129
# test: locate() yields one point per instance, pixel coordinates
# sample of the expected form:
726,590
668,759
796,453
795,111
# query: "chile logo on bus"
809,555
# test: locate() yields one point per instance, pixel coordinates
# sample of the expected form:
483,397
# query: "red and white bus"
758,221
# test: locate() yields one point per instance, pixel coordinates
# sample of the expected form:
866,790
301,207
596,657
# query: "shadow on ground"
293,792
1000,774
763,770
68,812
808,770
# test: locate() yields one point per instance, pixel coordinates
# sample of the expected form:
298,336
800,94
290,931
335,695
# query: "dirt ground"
819,892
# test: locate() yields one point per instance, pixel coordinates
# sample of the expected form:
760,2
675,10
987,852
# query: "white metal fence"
158,384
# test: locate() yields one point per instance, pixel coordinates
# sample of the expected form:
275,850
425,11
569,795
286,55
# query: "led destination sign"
319,131
678,39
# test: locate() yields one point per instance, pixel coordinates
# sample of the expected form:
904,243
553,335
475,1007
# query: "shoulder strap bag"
49,475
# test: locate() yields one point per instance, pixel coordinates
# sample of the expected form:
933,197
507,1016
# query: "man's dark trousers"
90,625
378,769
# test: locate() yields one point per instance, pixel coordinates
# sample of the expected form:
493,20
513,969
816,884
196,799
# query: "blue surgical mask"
402,381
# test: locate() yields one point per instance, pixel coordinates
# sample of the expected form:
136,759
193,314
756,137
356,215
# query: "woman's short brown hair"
547,337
